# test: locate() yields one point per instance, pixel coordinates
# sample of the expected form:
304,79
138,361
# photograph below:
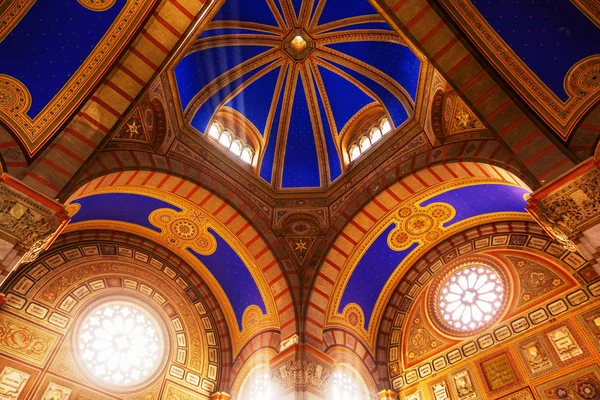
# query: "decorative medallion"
416,224
186,229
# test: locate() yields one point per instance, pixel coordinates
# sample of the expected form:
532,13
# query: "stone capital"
301,368
568,208
29,223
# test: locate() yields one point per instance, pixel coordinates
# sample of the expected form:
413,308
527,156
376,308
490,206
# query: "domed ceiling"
297,74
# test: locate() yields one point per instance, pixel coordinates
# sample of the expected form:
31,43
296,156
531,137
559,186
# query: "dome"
297,74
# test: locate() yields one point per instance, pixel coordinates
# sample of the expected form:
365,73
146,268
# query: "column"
568,208
387,395
301,372
29,222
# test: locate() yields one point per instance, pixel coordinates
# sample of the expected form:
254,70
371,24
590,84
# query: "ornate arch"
373,220
83,268
211,218
523,240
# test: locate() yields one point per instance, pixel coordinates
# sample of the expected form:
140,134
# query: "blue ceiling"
299,108
50,43
224,264
550,36
379,261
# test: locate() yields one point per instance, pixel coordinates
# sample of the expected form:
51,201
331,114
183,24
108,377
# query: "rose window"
470,298
120,344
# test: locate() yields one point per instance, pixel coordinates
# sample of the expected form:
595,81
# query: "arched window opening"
346,386
259,386
234,144
120,344
364,142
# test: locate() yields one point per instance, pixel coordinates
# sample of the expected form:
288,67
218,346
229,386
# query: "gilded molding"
570,204
15,99
562,116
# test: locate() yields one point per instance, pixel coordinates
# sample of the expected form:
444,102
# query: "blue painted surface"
257,11
123,207
200,70
550,36
266,171
372,272
343,107
396,60
234,277
251,101
50,43
339,9
301,165
391,102
225,265
379,261
470,201
335,165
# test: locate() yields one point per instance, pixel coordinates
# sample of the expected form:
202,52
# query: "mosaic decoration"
583,384
421,340
403,234
134,273
311,64
536,280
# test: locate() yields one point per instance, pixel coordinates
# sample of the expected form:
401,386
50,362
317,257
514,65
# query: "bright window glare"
343,387
214,131
120,344
385,126
259,388
471,297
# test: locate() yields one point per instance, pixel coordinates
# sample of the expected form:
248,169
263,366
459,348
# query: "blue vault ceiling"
299,106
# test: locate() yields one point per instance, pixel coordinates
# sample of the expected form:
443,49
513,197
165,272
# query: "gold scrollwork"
416,224
187,229
97,5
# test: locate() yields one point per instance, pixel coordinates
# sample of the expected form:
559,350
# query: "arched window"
258,386
120,344
346,385
364,142
215,130
354,152
385,126
247,155
375,134
225,139
470,298
234,144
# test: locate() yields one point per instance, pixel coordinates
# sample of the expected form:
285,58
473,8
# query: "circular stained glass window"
470,298
120,344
